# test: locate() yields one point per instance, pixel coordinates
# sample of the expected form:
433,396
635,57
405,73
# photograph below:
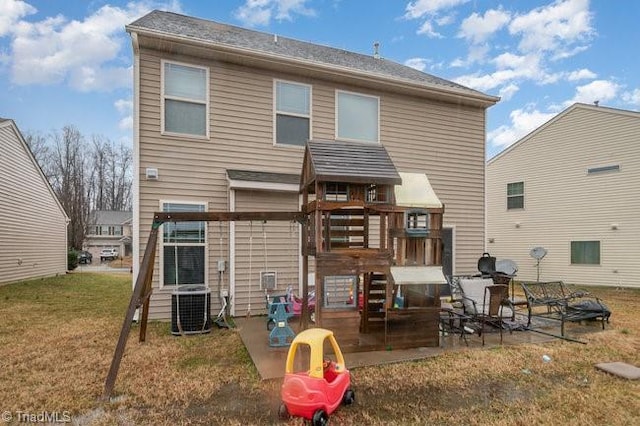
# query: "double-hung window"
357,117
185,99
183,247
515,195
292,113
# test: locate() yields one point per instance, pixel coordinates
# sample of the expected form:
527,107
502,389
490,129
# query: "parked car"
108,254
84,257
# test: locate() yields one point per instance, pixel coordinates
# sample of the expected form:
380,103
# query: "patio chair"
486,303
456,291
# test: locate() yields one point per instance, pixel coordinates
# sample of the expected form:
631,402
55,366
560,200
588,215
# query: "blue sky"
70,61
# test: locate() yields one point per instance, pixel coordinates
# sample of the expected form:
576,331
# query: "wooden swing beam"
142,289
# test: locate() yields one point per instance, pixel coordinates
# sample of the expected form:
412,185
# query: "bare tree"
68,180
85,177
39,146
112,166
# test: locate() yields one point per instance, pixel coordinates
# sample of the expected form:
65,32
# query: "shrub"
72,260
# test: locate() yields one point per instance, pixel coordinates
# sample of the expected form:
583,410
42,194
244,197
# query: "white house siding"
33,228
443,140
563,203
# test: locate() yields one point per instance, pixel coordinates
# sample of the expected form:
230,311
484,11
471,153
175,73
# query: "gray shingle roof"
350,162
111,217
217,33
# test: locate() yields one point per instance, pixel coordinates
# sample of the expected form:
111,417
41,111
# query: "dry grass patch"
58,336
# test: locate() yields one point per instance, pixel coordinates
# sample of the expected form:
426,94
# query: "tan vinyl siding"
562,203
32,226
280,254
445,141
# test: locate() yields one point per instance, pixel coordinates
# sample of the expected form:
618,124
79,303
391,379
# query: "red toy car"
317,389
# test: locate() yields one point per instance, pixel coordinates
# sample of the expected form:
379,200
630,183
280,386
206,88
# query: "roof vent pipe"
275,38
376,50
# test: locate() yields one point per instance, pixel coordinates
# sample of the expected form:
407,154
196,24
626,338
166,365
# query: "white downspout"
232,254
136,164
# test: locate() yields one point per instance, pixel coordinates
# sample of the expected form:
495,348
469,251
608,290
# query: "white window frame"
515,196
337,116
163,97
276,111
161,245
585,241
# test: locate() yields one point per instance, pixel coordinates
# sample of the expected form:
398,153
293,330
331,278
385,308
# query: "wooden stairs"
373,303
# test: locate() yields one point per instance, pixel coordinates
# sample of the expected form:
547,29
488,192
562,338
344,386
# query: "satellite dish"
538,253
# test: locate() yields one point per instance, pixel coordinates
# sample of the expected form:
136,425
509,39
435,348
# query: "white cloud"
582,74
510,60
260,12
427,29
555,27
126,123
429,11
125,108
86,54
632,97
523,121
445,20
477,54
477,29
508,91
418,63
421,8
598,90
510,68
11,12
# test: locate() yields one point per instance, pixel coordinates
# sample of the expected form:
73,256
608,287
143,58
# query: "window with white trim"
357,117
292,113
185,99
585,252
183,247
515,195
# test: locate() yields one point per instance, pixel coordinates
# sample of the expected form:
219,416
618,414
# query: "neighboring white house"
33,224
572,187
109,229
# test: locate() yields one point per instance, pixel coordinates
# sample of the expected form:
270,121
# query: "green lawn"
57,338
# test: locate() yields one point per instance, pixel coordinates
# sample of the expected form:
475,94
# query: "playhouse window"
377,194
336,191
339,291
417,222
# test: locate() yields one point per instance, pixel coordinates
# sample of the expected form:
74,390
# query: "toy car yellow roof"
314,337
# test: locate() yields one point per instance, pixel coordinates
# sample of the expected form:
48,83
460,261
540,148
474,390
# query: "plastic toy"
281,334
317,389
295,305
